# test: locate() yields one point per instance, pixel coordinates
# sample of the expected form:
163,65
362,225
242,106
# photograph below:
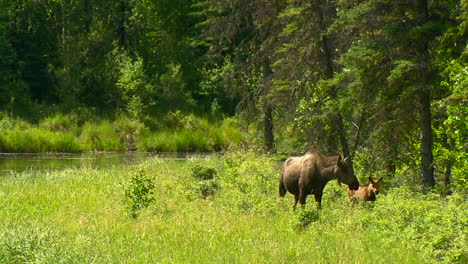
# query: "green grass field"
218,209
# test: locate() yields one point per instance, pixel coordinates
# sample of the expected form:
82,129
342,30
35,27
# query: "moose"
308,174
366,193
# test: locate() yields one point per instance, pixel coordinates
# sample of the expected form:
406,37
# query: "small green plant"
138,193
207,188
207,184
304,217
203,173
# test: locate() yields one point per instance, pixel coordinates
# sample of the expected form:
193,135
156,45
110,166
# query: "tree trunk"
329,71
268,128
448,172
267,108
88,15
427,168
121,26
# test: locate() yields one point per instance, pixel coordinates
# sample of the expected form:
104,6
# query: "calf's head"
374,185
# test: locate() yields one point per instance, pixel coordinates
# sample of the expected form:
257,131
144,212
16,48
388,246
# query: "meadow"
221,208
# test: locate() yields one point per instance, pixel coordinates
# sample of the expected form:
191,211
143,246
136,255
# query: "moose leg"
318,198
282,189
302,197
296,197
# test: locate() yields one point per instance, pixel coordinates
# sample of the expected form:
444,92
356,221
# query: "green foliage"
206,182
124,124
137,92
304,218
60,122
247,183
220,87
138,192
437,233
203,173
100,136
188,133
207,188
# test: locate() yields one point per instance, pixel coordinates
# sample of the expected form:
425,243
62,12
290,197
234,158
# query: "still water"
18,162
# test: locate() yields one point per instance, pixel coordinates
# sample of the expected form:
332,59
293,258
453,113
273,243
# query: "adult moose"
308,174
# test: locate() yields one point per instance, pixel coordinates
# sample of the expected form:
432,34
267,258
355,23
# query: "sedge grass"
77,216
61,133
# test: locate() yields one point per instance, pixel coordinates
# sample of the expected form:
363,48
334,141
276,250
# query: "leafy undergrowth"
217,209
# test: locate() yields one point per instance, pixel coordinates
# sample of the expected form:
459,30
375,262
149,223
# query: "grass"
79,216
61,133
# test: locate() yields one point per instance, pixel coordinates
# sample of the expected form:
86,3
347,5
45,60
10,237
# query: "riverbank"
216,209
62,133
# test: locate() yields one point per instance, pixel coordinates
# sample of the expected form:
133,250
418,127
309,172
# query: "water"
18,162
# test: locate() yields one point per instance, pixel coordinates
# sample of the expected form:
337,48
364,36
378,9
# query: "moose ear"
372,180
340,161
345,159
379,179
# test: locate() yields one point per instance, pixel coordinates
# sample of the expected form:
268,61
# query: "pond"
17,162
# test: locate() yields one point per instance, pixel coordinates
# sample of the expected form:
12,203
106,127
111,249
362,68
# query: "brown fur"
366,193
308,174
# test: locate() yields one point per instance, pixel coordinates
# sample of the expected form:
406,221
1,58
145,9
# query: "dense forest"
383,81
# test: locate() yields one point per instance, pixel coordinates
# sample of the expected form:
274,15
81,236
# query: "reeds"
61,133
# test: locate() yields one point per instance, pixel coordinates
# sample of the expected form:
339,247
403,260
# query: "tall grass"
79,216
38,140
196,135
100,137
67,133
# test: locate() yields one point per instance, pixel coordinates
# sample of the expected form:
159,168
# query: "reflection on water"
18,162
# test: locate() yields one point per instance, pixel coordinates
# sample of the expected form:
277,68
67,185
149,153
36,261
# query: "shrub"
206,188
126,125
206,183
203,173
303,218
138,193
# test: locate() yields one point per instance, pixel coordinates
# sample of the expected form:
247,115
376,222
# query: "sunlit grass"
78,216
61,133
38,140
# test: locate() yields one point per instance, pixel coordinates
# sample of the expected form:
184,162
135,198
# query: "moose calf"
367,192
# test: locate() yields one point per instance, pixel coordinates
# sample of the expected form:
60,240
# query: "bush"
303,218
206,183
203,173
138,193
206,188
249,182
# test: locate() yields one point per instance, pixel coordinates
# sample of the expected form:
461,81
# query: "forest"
382,81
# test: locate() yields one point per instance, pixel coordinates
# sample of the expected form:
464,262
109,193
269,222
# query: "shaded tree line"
381,81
